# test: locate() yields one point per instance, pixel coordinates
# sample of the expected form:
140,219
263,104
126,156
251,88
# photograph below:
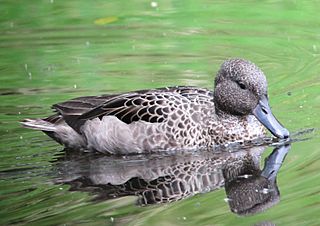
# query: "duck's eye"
241,85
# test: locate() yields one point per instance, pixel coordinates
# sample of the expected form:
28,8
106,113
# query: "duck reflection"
167,178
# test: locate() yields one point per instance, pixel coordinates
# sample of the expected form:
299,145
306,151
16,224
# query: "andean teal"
170,118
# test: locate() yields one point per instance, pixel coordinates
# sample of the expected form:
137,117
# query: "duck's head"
241,89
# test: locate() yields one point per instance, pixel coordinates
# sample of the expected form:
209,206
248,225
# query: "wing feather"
147,105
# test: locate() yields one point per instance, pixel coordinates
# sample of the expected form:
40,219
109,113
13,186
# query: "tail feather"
38,124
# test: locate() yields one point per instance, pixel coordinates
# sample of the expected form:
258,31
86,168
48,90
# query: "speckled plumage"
165,118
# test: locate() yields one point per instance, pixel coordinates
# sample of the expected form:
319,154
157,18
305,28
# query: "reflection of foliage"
106,20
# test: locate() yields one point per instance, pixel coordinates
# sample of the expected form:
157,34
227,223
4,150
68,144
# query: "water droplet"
314,48
75,86
154,4
246,176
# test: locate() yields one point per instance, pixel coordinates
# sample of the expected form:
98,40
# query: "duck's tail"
56,128
39,124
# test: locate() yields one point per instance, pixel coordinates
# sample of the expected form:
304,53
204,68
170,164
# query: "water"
55,50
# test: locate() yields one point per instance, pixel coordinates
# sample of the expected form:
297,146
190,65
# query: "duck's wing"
152,106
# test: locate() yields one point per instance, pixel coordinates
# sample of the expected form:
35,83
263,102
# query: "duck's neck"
233,128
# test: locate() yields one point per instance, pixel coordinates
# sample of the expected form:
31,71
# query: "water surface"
51,51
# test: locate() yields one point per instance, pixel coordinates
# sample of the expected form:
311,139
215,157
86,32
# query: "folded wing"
152,106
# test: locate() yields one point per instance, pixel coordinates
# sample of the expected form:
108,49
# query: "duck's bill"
274,161
264,115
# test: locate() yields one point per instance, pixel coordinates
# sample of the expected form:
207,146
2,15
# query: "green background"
53,50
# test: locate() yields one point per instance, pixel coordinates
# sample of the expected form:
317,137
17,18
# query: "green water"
54,50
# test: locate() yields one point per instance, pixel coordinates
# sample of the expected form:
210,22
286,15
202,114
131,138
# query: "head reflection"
166,178
251,190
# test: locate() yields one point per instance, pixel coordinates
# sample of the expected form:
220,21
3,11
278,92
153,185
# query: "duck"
169,118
